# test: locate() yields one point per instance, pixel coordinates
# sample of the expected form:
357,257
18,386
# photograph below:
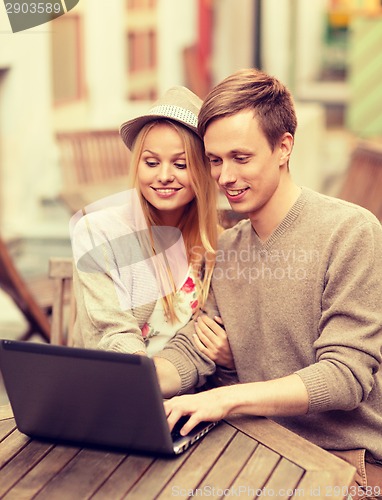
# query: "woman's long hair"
199,225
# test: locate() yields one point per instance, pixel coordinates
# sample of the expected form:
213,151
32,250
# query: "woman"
143,267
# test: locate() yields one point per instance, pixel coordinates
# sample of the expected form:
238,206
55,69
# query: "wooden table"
241,457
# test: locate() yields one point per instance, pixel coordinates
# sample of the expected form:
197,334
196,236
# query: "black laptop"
89,397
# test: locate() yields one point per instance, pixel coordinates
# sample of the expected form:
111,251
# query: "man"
298,287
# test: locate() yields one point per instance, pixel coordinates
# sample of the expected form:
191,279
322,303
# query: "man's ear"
286,146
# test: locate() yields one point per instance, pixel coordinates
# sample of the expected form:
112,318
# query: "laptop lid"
88,397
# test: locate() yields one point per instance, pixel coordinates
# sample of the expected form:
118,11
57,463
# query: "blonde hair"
199,226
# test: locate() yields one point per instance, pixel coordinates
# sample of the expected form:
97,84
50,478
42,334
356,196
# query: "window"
66,54
141,49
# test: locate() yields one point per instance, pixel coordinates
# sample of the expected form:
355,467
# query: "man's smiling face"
243,163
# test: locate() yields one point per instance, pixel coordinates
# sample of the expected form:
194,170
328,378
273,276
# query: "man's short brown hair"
271,101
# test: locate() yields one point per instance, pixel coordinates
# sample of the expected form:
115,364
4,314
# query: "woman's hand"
211,339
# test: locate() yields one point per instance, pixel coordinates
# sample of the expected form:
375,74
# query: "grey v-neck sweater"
307,301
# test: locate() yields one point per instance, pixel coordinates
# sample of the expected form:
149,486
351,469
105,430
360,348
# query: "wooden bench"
64,305
363,181
96,162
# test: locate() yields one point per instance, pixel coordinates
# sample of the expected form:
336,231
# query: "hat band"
175,112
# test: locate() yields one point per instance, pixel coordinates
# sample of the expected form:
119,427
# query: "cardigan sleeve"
349,343
109,316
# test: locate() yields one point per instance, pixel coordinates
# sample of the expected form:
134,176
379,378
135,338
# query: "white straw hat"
178,104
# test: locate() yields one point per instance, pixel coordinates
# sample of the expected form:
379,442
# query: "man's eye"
180,165
242,159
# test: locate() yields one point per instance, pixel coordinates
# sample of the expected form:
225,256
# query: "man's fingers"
174,410
172,415
189,425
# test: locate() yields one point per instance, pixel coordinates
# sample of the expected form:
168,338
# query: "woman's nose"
165,174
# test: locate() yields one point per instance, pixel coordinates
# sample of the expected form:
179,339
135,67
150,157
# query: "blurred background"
66,87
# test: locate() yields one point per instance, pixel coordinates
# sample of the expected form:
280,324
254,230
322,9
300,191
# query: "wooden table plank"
323,484
269,432
200,461
82,476
50,465
258,470
124,477
24,461
158,475
289,445
232,461
284,480
6,427
11,445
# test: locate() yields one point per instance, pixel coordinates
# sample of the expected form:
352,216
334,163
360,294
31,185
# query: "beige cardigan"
114,286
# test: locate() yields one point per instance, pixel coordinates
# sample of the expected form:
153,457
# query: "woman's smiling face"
163,175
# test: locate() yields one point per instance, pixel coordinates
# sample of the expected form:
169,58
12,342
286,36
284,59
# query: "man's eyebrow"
243,151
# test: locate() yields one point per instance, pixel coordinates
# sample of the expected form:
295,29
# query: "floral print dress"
157,331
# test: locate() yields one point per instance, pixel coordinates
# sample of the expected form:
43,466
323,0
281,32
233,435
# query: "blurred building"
101,63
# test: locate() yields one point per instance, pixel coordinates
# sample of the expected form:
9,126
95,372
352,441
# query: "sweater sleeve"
103,287
192,366
348,347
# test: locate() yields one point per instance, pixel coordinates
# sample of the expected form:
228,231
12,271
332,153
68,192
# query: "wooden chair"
64,307
363,182
94,164
33,298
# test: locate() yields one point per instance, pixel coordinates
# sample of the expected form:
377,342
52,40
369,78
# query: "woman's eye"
151,163
180,165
